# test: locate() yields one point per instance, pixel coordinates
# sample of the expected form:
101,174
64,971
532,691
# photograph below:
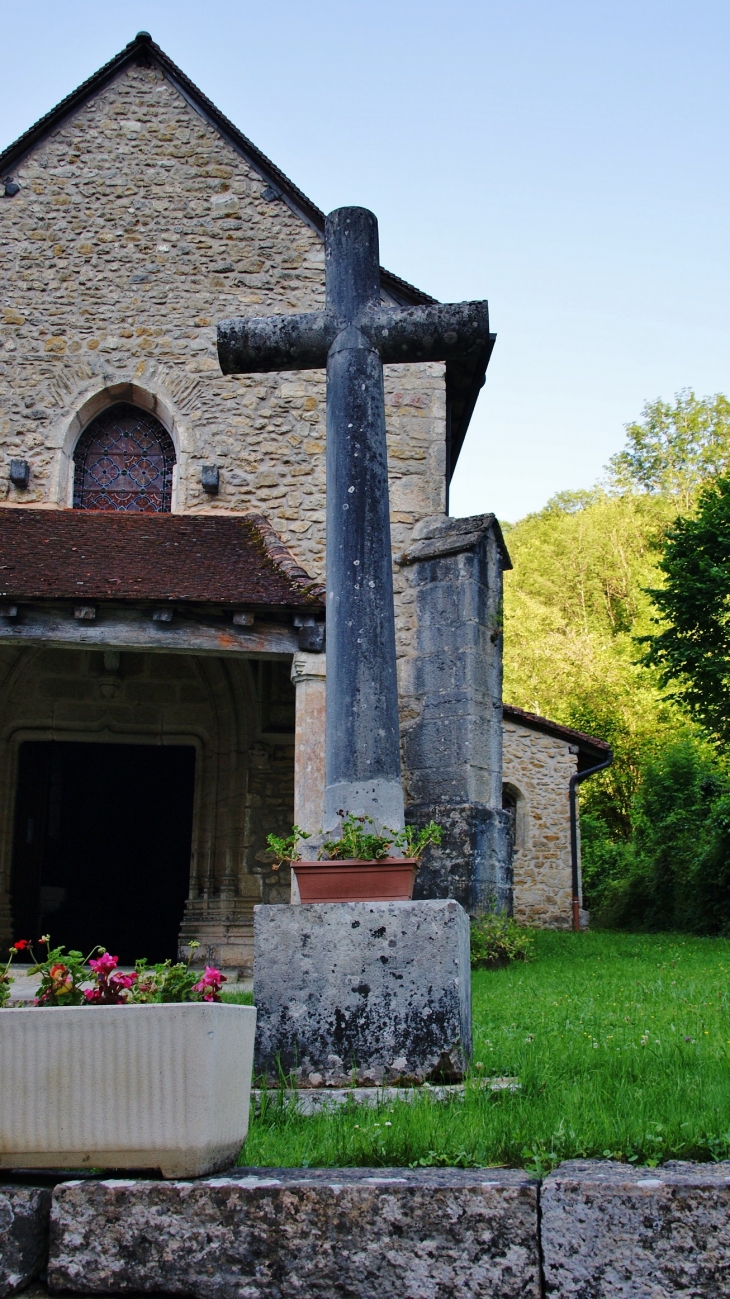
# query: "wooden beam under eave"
134,630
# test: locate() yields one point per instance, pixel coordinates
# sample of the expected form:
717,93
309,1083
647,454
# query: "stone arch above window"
124,460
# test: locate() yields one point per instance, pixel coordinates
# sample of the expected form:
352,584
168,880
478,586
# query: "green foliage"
6,981
692,650
674,871
496,940
619,1042
286,849
357,842
592,572
237,997
360,844
574,605
414,842
62,975
164,982
674,449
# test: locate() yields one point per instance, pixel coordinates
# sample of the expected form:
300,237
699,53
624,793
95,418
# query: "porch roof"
87,555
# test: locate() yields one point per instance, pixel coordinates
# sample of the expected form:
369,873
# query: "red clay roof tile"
197,558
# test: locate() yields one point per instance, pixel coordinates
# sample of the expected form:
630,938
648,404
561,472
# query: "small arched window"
124,461
513,801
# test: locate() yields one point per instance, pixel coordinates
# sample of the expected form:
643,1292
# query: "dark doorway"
102,846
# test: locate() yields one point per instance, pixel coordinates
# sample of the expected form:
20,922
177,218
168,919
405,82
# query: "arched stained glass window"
124,461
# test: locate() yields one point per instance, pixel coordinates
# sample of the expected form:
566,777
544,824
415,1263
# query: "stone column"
308,672
363,748
452,698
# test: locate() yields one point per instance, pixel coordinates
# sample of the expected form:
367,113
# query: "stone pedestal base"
474,861
378,992
225,934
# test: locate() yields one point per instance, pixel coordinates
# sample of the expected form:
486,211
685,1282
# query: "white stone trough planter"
147,1087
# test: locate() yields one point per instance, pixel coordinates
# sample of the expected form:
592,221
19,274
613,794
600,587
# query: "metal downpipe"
575,781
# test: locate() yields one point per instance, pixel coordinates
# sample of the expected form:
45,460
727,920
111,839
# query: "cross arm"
435,332
257,344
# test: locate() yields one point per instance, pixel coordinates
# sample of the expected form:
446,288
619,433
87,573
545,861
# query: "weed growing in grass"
621,1043
496,940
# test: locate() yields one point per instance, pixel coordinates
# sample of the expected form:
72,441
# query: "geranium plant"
358,842
71,979
6,982
286,849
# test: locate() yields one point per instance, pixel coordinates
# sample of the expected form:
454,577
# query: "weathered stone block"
611,1231
474,861
24,1214
379,991
319,1234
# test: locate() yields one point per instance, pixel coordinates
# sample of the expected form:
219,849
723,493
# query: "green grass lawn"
621,1043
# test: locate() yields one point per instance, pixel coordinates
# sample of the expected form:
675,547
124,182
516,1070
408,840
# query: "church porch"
203,706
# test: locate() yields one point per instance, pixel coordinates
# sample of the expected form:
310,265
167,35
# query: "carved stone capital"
308,667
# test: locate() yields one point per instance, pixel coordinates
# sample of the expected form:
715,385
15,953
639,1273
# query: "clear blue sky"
566,160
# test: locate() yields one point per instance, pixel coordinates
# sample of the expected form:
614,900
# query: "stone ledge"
24,1214
612,1231
606,1230
322,1234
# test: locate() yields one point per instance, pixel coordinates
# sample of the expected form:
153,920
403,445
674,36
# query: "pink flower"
209,985
104,964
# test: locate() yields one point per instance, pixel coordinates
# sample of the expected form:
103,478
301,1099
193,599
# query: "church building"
162,542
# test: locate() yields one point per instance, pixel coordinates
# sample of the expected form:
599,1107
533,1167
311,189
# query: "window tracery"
124,461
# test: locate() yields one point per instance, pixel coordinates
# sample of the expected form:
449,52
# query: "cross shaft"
354,337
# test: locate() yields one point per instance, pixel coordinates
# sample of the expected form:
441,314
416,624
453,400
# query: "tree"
692,649
674,449
574,605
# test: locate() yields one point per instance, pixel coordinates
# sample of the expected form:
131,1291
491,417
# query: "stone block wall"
536,771
136,228
592,1229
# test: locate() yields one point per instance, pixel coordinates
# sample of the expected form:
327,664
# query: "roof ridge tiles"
282,556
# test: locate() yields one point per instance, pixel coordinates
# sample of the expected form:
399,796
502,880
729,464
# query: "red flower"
210,984
21,945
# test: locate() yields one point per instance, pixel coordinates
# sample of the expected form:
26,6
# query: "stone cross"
354,337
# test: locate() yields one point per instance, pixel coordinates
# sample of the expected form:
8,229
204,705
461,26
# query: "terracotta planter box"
145,1087
390,880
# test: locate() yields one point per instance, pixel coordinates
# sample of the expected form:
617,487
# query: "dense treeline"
597,583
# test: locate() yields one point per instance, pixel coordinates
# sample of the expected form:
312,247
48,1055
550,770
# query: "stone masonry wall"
538,768
136,228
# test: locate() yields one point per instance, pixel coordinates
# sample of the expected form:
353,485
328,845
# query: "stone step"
315,1100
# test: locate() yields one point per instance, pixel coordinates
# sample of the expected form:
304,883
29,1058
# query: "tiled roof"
197,558
588,746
